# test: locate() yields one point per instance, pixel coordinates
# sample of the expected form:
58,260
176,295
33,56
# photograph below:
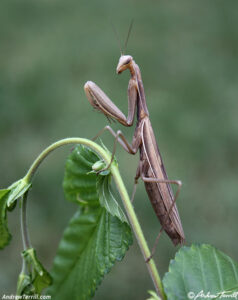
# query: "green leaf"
200,269
37,279
18,189
79,182
8,199
107,199
94,239
79,186
5,236
154,296
91,244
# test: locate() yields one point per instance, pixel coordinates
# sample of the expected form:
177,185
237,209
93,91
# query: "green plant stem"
24,228
123,193
138,232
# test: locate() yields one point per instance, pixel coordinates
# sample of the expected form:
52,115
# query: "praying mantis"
151,168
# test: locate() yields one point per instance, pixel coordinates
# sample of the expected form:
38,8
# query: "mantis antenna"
128,35
122,50
117,37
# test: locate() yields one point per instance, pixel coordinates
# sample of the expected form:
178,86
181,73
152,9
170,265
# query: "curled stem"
63,142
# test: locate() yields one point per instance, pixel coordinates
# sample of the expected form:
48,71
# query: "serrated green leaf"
79,186
91,244
5,236
18,189
200,268
38,278
94,239
107,199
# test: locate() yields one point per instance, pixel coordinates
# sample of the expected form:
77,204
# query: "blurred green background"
188,55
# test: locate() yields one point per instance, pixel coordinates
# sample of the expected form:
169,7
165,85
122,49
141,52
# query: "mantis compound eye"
127,61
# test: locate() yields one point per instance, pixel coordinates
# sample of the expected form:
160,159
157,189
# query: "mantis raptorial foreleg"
100,101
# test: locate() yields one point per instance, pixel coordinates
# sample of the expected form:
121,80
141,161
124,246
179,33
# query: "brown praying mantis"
151,168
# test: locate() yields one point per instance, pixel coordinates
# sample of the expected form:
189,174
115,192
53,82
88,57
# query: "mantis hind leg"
137,176
166,181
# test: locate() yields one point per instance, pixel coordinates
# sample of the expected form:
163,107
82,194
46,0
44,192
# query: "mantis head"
124,63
